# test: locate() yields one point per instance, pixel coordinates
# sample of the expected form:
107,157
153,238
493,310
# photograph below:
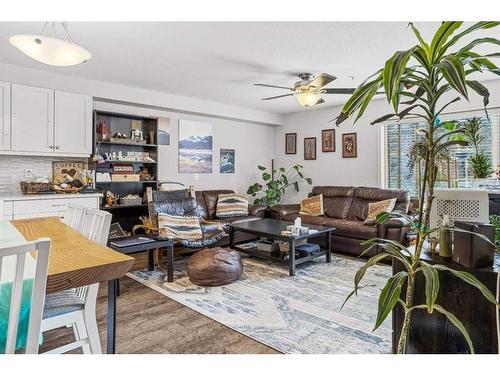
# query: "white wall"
253,145
330,168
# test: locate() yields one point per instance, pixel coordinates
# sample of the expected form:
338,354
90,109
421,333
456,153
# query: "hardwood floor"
149,322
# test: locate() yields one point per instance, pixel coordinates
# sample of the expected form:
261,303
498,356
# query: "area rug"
299,314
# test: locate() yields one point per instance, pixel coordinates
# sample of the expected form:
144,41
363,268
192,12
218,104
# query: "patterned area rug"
298,314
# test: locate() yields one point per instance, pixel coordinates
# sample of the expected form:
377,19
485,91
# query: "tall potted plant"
480,164
420,79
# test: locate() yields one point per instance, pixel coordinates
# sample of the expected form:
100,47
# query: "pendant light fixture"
51,50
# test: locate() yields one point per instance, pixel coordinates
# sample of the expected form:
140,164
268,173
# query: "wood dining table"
76,261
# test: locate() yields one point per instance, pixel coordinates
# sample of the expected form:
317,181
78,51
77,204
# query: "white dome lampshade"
308,99
50,51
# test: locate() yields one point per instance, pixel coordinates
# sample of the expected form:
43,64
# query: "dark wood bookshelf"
127,216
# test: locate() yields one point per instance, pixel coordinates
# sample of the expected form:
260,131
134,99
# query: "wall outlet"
196,176
28,173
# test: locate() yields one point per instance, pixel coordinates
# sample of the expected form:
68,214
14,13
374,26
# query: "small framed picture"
310,148
290,143
226,160
328,140
349,145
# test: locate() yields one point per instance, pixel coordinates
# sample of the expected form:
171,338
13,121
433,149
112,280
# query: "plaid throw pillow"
231,205
312,206
180,227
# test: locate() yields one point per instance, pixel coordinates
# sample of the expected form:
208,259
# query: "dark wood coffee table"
271,228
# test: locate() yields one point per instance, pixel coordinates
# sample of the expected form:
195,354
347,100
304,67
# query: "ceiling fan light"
308,99
50,51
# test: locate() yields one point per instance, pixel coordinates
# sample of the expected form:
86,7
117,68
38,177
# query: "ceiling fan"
309,89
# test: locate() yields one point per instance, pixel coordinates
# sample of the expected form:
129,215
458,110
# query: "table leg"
328,247
117,289
111,339
291,256
151,260
170,263
231,237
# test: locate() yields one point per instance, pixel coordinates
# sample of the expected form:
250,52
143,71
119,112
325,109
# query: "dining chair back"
74,216
14,263
78,306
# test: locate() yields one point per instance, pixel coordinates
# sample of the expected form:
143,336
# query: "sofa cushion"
336,199
306,219
312,206
210,197
376,208
352,228
181,207
231,205
366,195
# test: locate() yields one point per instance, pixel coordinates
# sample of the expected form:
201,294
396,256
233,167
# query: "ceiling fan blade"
320,101
276,87
338,91
276,97
322,80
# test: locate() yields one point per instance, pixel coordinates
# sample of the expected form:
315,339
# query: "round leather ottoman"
214,267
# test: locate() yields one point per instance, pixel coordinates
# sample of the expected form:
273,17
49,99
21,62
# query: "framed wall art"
226,160
290,143
349,145
195,147
310,148
328,140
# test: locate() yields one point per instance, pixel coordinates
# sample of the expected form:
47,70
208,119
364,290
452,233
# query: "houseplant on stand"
426,79
276,181
480,164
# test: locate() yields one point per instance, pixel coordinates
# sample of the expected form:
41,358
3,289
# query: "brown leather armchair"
346,208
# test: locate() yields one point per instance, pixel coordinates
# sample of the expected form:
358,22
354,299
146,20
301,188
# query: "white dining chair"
15,264
77,307
74,216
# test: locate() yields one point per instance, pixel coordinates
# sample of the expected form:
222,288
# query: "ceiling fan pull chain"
44,28
65,27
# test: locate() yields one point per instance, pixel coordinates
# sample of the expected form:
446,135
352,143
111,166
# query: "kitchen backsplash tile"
12,169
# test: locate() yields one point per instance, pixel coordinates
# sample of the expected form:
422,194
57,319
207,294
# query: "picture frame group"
328,144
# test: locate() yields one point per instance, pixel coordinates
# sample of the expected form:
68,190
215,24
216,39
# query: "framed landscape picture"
310,148
226,160
328,140
349,145
195,147
290,143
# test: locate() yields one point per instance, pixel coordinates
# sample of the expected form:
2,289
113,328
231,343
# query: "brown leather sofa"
346,208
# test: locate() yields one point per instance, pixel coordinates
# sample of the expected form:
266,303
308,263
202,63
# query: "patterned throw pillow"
180,227
312,206
231,205
376,208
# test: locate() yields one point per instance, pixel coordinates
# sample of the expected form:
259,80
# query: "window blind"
400,136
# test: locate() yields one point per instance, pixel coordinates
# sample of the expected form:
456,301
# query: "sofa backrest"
336,199
210,199
366,195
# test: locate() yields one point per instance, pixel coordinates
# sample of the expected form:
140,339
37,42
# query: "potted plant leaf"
421,80
275,183
480,165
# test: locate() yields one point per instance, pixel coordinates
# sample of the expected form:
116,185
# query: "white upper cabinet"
4,116
32,120
73,123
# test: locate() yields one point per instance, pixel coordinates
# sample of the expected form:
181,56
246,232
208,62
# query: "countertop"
22,197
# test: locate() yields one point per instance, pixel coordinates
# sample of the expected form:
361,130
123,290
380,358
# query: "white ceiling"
219,61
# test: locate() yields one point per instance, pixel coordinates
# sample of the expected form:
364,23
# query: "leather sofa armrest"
258,210
280,210
396,222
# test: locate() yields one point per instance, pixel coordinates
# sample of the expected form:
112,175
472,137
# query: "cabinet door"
73,123
32,119
4,116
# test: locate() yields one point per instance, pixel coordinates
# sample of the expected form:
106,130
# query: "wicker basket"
34,187
284,245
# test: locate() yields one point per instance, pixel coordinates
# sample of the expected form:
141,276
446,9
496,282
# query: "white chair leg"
89,314
81,333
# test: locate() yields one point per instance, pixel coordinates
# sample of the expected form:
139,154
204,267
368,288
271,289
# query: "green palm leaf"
389,296
477,26
361,272
393,70
453,71
472,280
457,323
431,285
441,36
481,90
